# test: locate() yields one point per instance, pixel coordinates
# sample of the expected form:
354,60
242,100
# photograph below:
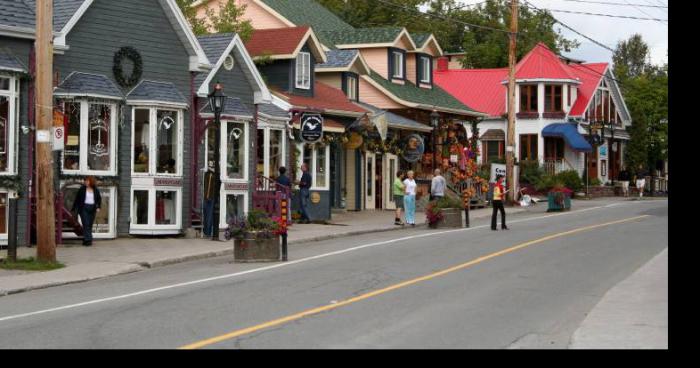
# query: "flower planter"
558,201
251,248
452,218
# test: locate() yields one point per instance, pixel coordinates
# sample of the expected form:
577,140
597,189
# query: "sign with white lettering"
311,127
497,169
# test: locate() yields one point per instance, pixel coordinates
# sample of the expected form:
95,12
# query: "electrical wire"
645,13
604,15
616,4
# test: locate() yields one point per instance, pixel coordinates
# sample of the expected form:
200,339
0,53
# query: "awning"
233,108
493,135
152,92
78,84
570,133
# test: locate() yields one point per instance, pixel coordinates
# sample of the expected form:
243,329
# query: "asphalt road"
529,287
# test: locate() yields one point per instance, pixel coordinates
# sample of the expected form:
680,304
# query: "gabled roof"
22,13
156,92
9,62
364,37
542,63
78,84
422,41
422,98
342,61
283,43
480,88
590,75
326,98
233,107
308,12
217,47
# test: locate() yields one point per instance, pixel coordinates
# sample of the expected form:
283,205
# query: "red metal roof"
480,89
276,41
590,76
541,62
325,98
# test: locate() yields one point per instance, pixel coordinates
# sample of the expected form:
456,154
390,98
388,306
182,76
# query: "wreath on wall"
133,55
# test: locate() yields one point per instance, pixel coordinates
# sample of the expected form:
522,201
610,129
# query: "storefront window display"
156,147
90,143
9,112
104,225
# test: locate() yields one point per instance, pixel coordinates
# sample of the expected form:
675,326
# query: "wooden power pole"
510,138
45,223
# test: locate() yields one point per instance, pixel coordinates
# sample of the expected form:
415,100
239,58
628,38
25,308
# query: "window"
234,154
318,161
493,150
426,69
104,225
528,147
276,152
139,207
156,210
351,87
5,122
156,142
553,98
3,212
9,113
90,143
397,64
303,70
235,207
528,98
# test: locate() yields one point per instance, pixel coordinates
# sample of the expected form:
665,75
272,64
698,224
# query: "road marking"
338,304
267,268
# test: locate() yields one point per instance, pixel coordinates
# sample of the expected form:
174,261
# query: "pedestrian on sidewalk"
437,186
498,194
624,179
641,181
87,203
398,191
304,186
282,179
409,199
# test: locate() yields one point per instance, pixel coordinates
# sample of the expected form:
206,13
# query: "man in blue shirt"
283,179
304,186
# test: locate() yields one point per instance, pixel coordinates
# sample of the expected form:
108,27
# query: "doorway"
379,187
370,183
391,167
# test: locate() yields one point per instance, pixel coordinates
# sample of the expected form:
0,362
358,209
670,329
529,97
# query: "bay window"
233,206
271,151
9,115
318,160
233,150
91,136
156,147
155,210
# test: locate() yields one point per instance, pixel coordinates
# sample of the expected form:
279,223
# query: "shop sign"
236,186
311,127
498,169
414,148
167,182
315,198
603,151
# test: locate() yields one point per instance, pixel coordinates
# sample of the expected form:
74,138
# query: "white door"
391,166
370,187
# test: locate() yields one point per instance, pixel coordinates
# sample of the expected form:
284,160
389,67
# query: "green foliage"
530,171
224,19
30,264
570,179
447,202
595,182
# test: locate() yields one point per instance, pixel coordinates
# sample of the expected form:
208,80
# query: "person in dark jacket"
87,203
304,186
283,179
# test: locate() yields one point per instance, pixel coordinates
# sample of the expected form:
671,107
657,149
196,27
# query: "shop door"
593,164
370,183
391,167
379,188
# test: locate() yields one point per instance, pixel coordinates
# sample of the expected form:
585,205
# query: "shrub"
530,172
594,182
570,179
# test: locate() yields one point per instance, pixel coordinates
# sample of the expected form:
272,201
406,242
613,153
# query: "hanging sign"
414,148
382,125
311,127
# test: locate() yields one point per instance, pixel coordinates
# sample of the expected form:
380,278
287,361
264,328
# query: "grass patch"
30,264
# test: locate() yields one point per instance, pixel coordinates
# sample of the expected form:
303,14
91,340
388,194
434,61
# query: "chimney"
443,64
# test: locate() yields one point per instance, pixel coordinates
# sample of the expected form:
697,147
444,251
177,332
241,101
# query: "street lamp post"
216,101
435,120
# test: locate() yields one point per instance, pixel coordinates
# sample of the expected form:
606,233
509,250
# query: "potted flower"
256,237
559,198
444,212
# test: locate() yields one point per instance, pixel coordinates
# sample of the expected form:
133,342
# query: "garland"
133,55
13,183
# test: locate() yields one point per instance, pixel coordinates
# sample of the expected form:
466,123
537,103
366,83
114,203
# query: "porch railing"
268,196
555,166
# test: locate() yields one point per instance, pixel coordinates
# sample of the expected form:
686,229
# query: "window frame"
84,144
12,94
402,64
312,168
153,140
550,96
425,62
151,228
303,70
529,150
222,204
3,232
530,95
223,151
112,216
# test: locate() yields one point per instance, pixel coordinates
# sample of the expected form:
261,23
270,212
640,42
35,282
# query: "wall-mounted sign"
354,141
311,127
414,148
315,198
167,182
236,186
603,151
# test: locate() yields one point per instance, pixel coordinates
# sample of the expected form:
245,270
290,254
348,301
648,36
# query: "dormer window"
425,69
303,71
397,64
350,86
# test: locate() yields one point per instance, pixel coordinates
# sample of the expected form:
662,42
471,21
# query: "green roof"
310,12
363,35
424,96
420,38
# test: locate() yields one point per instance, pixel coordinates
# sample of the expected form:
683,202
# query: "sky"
606,30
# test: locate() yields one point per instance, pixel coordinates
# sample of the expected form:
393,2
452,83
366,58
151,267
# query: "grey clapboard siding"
278,74
105,28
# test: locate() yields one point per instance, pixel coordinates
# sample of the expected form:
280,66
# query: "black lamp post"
611,156
435,120
217,99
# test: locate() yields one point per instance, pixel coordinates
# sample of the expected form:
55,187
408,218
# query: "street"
529,287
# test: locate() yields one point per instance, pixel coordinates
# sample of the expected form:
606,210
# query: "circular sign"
354,141
58,133
315,198
414,148
311,127
229,62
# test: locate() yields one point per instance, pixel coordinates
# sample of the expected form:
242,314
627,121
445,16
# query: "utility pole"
46,226
510,138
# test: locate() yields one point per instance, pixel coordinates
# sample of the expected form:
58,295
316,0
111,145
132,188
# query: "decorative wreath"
133,55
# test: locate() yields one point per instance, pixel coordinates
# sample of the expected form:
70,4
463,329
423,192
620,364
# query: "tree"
630,57
227,18
374,13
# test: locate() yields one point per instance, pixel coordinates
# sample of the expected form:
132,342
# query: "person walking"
624,179
87,203
641,180
437,186
398,191
409,199
304,186
498,195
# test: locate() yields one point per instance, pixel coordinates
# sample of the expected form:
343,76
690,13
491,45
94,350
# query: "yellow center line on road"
309,312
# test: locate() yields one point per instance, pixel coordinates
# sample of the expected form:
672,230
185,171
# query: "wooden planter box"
554,207
252,249
452,218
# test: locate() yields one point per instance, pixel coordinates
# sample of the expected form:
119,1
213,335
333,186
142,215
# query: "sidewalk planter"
252,247
558,201
451,218
444,213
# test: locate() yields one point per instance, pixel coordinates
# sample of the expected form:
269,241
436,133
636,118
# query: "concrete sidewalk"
632,315
125,255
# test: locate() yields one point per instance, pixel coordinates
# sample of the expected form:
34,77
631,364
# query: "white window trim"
267,149
113,193
425,64
85,137
223,151
222,204
153,141
152,228
401,64
352,88
312,169
10,194
12,96
303,69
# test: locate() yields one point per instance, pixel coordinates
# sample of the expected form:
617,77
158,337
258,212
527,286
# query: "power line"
617,4
603,15
643,12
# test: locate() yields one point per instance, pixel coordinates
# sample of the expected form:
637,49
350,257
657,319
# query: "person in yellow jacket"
498,197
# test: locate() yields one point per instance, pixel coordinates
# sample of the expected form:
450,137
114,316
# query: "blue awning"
570,133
